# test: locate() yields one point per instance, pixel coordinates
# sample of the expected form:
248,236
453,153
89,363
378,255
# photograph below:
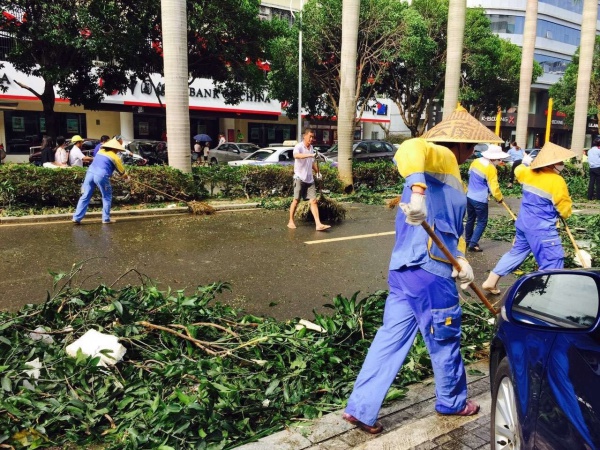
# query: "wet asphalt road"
264,261
272,270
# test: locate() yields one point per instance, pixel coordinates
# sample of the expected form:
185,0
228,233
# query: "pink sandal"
470,409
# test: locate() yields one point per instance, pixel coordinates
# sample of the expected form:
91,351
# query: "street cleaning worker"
423,295
98,174
483,180
545,200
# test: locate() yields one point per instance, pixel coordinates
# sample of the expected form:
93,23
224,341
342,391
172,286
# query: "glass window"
558,32
260,156
561,299
507,24
551,64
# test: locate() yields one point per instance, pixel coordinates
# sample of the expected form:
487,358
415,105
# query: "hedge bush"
25,185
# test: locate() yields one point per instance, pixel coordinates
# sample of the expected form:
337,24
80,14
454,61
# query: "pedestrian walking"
423,295
304,181
221,139
240,136
516,155
483,180
98,174
545,200
593,159
197,153
205,150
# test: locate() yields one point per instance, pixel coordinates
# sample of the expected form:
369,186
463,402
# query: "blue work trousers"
87,190
477,212
418,301
545,245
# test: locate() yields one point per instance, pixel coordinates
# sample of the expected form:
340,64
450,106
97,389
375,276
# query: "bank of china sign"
202,96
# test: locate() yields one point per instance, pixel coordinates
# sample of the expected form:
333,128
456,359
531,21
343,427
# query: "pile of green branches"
196,374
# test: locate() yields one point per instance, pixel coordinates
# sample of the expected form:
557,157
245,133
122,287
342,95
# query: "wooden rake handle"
575,246
509,211
456,265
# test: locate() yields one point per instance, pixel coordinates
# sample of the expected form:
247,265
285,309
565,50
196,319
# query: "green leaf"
118,306
6,384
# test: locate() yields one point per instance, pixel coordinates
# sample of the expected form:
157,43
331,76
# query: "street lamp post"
299,131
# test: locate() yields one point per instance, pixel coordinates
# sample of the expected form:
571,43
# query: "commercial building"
558,37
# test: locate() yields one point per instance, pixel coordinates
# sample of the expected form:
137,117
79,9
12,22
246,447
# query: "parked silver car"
231,151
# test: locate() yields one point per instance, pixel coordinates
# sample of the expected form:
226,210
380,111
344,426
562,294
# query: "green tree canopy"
60,40
378,45
563,92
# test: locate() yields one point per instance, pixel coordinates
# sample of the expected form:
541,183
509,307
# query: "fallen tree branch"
194,341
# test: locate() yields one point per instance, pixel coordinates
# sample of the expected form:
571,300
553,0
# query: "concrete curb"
97,215
409,422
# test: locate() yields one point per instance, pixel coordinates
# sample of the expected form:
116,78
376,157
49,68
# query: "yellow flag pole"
549,119
498,120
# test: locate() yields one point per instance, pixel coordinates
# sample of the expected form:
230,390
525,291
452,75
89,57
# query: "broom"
195,207
329,209
582,258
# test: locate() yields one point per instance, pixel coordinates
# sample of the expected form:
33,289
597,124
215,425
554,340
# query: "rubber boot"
490,285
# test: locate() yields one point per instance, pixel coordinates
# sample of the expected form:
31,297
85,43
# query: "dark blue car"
545,363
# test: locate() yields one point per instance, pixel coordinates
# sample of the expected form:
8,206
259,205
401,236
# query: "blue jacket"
433,167
545,199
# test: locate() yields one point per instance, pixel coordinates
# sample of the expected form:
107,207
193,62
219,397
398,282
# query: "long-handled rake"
583,258
456,265
195,207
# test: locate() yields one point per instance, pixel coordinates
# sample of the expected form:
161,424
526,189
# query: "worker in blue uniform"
423,295
545,200
483,180
105,163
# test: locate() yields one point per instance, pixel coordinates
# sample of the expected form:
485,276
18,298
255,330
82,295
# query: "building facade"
558,37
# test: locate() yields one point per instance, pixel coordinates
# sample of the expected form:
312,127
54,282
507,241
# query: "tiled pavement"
409,423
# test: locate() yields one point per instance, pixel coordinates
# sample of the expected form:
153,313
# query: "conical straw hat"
551,154
461,126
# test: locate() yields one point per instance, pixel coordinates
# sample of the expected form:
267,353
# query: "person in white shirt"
221,139
304,183
76,156
61,157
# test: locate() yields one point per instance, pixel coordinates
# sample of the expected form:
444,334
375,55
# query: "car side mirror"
358,150
555,300
235,150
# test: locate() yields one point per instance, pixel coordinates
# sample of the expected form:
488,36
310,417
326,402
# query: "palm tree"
457,10
584,74
347,108
174,32
529,34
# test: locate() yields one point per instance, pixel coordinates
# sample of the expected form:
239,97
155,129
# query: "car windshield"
247,147
260,155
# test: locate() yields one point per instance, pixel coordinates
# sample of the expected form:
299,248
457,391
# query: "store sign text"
147,88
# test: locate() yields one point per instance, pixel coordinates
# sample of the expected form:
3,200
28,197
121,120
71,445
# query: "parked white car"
267,156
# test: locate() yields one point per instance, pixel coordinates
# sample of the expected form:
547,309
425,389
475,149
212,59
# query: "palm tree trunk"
529,34
457,10
174,32
586,59
347,109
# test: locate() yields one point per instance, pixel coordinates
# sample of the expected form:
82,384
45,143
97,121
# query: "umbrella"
203,138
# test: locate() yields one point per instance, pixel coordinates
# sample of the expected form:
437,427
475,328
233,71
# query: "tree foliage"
60,40
563,92
378,45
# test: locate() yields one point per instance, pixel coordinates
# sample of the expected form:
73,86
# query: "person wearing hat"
483,179
76,156
423,295
545,200
98,174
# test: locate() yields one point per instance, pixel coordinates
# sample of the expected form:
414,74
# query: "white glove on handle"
416,210
527,160
318,176
465,276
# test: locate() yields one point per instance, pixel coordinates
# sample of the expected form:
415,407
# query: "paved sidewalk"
410,423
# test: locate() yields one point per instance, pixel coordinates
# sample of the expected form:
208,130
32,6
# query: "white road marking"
348,238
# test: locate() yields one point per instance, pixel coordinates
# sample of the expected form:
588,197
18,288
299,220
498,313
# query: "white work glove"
465,276
318,176
416,210
527,160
